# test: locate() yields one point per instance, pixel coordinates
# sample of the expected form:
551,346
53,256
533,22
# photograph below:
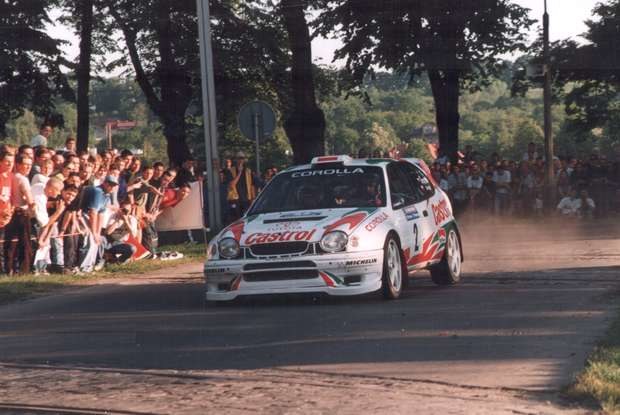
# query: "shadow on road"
495,323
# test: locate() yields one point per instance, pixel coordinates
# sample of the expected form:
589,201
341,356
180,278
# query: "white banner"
185,215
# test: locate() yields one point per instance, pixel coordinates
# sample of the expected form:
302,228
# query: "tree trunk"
305,123
445,88
174,92
175,133
85,10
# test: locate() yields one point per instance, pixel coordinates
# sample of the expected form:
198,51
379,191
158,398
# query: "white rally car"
339,226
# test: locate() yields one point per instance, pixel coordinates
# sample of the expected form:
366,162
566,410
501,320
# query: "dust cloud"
509,244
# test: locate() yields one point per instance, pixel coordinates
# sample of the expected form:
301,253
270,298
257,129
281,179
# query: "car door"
421,217
408,214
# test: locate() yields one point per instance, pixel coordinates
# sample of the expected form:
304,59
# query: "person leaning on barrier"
94,201
152,210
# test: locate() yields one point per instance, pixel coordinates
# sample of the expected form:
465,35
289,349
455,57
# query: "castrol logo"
262,238
441,212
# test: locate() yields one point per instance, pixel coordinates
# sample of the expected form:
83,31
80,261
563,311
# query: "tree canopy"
455,43
30,63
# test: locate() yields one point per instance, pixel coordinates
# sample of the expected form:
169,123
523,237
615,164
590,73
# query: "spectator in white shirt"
70,145
47,228
40,140
568,204
46,169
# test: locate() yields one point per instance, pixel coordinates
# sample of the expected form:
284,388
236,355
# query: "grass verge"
25,286
599,383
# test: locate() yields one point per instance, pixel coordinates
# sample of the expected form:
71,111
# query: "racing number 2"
415,238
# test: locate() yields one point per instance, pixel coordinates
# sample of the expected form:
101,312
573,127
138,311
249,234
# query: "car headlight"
228,248
334,241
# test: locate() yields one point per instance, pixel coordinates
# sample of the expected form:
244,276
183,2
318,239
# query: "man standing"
70,145
7,159
502,180
187,172
241,186
47,229
18,230
41,156
474,186
40,140
69,228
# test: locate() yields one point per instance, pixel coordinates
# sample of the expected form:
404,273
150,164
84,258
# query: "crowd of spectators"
584,188
71,211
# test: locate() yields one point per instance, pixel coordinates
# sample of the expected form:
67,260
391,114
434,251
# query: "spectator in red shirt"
7,160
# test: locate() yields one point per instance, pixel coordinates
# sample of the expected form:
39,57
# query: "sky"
566,20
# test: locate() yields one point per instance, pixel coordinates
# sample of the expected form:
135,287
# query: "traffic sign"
257,120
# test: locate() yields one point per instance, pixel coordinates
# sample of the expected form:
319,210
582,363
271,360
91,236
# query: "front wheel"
448,271
392,269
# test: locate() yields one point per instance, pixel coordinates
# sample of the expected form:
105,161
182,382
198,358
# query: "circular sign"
257,120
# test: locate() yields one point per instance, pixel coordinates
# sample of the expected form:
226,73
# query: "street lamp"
549,173
209,116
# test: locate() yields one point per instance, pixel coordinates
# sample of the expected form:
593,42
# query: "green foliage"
600,380
379,137
491,121
30,63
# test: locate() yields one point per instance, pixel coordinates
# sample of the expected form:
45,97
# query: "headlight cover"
334,241
228,248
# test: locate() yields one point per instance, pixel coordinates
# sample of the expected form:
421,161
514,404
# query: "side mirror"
397,202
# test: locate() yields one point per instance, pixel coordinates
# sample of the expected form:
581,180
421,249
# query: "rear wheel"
448,271
392,269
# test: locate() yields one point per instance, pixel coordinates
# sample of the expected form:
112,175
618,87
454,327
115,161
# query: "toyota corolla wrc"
338,226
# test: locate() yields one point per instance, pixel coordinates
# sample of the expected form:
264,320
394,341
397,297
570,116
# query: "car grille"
280,275
279,248
277,265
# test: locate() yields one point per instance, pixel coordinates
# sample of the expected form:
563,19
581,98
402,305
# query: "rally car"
338,226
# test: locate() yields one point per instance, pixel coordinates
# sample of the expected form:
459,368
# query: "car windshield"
323,187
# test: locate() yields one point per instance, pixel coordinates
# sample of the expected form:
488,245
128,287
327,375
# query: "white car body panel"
259,269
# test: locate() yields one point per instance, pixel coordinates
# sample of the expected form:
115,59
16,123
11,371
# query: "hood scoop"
298,219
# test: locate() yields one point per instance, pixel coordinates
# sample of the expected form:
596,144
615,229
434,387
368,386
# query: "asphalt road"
533,302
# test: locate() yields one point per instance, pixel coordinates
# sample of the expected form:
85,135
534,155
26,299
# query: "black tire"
448,271
393,276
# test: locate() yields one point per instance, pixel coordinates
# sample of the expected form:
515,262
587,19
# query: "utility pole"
549,173
209,117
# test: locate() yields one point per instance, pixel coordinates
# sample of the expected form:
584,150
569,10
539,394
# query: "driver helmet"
341,194
308,195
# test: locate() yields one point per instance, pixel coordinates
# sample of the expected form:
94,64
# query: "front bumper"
334,274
